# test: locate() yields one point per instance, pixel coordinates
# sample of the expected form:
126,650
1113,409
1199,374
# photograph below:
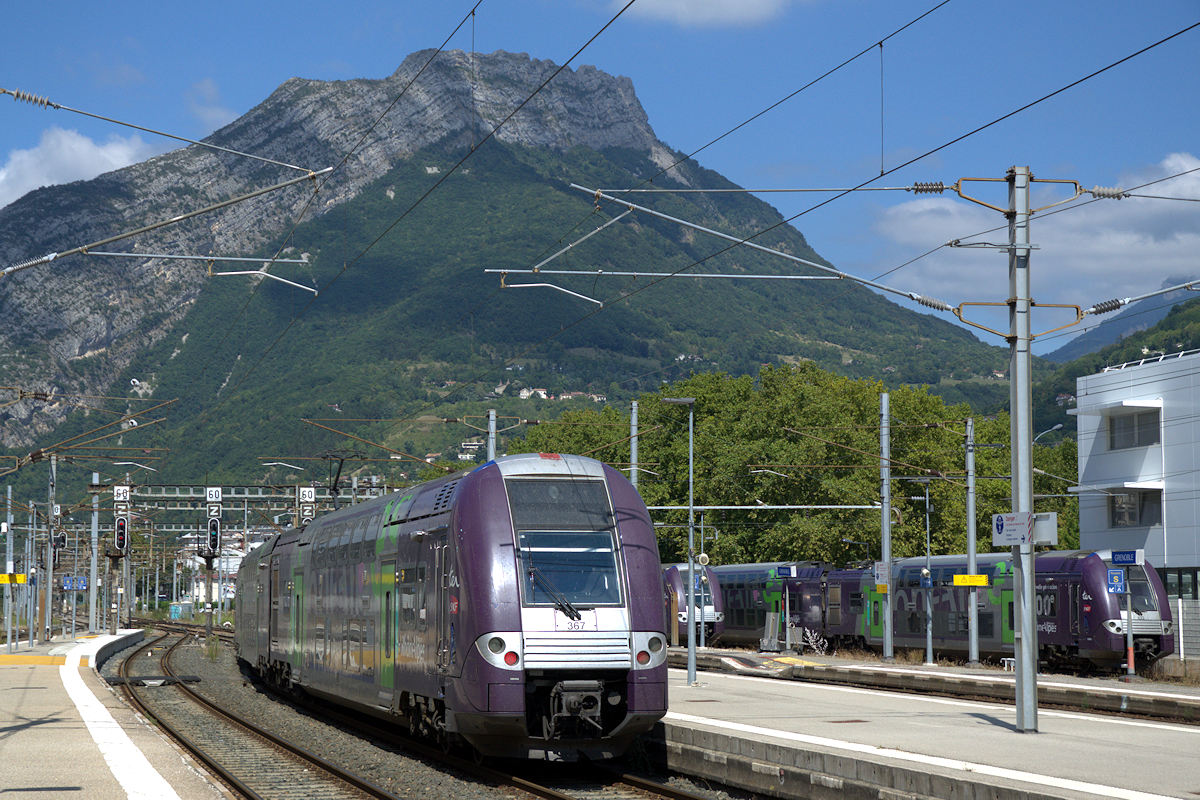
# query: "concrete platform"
64,733
749,722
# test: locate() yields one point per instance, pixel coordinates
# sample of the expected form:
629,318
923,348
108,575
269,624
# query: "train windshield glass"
578,567
1141,591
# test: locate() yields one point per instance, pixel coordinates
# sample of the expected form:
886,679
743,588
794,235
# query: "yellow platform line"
36,660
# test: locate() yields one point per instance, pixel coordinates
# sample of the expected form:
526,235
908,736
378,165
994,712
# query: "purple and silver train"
1079,623
516,607
706,594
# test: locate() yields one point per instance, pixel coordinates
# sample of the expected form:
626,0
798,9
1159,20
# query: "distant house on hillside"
525,394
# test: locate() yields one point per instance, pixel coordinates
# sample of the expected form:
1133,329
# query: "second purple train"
1079,623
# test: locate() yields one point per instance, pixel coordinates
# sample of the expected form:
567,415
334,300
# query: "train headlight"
649,649
501,649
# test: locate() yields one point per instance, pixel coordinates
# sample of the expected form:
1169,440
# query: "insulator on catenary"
929,187
31,98
931,302
1108,192
1107,306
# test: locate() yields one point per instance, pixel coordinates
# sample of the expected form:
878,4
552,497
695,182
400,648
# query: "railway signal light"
121,537
214,534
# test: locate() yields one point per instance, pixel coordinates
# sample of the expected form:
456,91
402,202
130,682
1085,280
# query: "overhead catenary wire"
46,259
19,95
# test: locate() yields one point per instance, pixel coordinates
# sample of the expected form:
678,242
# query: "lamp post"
690,402
1057,427
927,575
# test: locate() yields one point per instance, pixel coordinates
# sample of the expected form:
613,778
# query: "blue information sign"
1124,557
1116,581
74,583
81,583
66,582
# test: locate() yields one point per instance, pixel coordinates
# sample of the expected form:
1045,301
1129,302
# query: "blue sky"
701,67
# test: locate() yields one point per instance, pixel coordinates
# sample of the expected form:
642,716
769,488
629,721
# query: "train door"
387,626
1074,591
1006,616
447,603
876,608
296,588
273,620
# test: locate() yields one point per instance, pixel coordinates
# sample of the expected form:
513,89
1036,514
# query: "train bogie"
516,607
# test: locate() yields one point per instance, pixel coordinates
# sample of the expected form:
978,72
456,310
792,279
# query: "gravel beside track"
222,682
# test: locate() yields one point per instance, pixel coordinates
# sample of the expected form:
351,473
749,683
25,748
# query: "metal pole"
1129,670
929,588
972,601
8,561
74,576
885,554
94,569
1021,435
633,443
691,661
491,440
31,593
47,633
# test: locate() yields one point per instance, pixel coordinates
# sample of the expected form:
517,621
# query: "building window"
1134,509
1133,430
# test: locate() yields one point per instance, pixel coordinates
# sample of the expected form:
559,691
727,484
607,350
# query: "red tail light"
511,658
643,657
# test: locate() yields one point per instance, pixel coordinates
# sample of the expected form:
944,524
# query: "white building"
1139,454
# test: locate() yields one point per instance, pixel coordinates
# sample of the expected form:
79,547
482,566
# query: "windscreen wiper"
560,600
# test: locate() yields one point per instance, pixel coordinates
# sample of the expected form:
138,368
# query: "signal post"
213,551
116,553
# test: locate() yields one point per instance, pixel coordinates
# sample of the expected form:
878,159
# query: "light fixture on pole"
690,402
1057,427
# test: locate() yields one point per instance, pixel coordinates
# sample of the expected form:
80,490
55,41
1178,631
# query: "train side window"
856,602
1011,625
987,625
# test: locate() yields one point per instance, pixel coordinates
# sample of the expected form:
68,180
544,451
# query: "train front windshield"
566,535
580,566
1141,591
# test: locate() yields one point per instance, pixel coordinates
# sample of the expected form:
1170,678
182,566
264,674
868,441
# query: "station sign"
1116,581
1129,558
1024,527
970,580
1012,530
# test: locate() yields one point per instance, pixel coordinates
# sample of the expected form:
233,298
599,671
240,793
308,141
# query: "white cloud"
1102,250
204,101
64,155
709,13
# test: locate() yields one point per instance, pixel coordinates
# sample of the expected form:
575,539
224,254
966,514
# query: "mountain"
1138,316
407,325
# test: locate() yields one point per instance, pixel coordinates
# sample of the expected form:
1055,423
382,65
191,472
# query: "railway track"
252,761
257,762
